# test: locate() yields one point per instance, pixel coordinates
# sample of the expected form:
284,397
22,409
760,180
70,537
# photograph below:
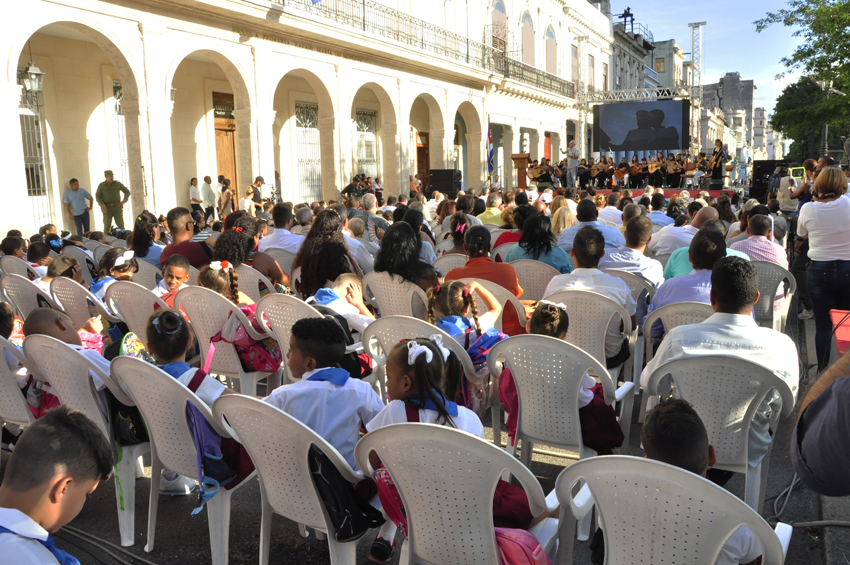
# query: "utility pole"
696,84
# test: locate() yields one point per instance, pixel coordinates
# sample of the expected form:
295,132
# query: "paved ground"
183,539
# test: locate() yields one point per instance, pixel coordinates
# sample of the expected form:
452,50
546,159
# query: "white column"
437,148
330,156
264,125
534,145
391,172
138,153
508,168
474,162
161,191
14,213
247,154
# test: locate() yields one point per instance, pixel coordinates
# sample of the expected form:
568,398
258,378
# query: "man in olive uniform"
108,195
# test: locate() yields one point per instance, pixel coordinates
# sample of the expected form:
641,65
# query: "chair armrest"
783,532
552,501
581,503
621,392
355,348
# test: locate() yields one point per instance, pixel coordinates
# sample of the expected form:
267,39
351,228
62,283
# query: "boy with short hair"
38,257
63,265
58,461
325,398
12,246
175,275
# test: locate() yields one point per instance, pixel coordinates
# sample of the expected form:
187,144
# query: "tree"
802,109
823,25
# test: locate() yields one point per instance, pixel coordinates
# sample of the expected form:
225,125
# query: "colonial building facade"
164,92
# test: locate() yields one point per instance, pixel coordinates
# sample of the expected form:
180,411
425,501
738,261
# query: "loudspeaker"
762,170
446,181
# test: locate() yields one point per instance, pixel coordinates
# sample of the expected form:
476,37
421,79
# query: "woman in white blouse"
825,222
247,203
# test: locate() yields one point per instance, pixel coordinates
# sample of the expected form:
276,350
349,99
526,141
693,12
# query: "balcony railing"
636,29
650,72
378,19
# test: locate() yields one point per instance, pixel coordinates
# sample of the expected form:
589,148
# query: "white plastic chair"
91,244
249,281
448,262
656,228
162,401
394,296
499,253
100,251
494,234
726,392
87,264
207,312
193,276
24,294
295,281
771,278
277,313
9,264
590,314
446,479
146,276
122,243
67,371
505,297
444,245
534,277
278,445
652,512
662,259
135,304
671,316
371,247
78,302
283,257
13,404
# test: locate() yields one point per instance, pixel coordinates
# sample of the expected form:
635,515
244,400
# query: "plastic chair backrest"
448,262
491,227
86,262
135,304
534,277
207,312
11,264
193,276
100,251
636,283
162,401
295,280
499,253
446,479
283,257
662,259
548,374
653,512
278,445
394,295
146,276
13,404
23,293
277,313
387,332
494,234
91,244
505,297
725,391
74,299
675,315
122,243
444,245
590,314
249,281
656,228
771,276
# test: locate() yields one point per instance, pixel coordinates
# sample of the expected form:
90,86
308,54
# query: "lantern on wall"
33,78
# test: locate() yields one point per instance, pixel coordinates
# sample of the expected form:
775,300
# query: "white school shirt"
736,336
742,547
40,270
671,238
23,547
394,413
486,321
334,412
195,194
161,288
209,389
282,239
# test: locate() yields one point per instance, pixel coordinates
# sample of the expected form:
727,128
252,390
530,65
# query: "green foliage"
801,111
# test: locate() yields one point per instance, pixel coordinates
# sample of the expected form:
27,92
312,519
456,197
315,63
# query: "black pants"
209,213
197,207
798,269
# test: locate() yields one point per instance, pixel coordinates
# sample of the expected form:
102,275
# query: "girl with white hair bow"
117,264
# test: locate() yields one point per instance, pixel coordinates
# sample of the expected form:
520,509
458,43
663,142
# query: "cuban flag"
491,156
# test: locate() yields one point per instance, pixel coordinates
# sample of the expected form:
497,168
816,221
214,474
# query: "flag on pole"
491,156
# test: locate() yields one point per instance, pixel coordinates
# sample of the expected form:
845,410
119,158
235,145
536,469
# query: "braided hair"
224,282
452,299
235,245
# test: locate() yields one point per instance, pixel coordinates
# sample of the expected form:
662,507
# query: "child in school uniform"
600,430
44,489
221,277
175,275
325,398
117,264
452,307
38,257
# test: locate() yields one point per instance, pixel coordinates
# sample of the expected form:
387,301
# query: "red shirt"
193,251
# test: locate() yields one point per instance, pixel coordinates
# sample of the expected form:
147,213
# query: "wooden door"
225,152
422,158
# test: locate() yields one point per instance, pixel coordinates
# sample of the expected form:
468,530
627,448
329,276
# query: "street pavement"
184,539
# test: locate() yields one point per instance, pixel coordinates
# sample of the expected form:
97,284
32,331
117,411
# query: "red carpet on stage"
637,193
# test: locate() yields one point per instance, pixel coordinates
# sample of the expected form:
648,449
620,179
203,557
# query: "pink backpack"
263,355
520,547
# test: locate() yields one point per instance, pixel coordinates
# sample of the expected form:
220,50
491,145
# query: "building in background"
632,45
735,97
668,61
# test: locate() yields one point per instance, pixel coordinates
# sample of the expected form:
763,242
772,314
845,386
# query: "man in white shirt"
630,257
610,213
357,249
586,253
586,214
208,197
497,182
731,331
195,197
672,238
282,238
436,198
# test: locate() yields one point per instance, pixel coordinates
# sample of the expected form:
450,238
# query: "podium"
521,161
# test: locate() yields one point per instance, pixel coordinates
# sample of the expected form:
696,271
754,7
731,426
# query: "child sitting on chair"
674,434
58,461
221,277
117,264
38,257
325,398
451,304
175,275
600,430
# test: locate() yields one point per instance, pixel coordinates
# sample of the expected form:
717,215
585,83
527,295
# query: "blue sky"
729,42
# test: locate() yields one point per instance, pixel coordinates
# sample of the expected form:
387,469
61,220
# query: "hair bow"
437,289
437,339
221,266
415,349
558,305
465,292
159,330
460,227
238,229
124,259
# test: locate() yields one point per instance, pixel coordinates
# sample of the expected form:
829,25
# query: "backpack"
358,365
350,515
478,355
255,355
520,547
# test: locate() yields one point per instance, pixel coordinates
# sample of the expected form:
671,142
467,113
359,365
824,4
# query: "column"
555,145
437,148
264,126
138,154
534,145
390,170
474,162
14,214
330,155
508,147
247,154
161,193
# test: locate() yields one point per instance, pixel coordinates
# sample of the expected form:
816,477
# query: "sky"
730,42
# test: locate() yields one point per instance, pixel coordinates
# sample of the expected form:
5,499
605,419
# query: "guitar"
597,168
716,159
654,167
673,167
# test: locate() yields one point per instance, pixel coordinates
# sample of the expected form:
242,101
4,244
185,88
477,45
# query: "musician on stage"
674,173
656,172
583,172
718,160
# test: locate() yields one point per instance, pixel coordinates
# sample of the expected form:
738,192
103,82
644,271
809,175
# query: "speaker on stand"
446,181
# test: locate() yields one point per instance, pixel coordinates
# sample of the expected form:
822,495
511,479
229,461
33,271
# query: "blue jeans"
82,222
829,288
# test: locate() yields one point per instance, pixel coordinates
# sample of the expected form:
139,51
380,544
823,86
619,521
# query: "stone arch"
435,130
388,137
473,155
327,107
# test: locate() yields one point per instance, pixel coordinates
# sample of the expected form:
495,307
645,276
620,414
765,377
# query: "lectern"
521,161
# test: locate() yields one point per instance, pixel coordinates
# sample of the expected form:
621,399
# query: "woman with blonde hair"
562,219
557,202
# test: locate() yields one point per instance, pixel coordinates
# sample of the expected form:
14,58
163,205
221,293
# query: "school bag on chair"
255,355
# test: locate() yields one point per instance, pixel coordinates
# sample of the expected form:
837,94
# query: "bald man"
672,238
